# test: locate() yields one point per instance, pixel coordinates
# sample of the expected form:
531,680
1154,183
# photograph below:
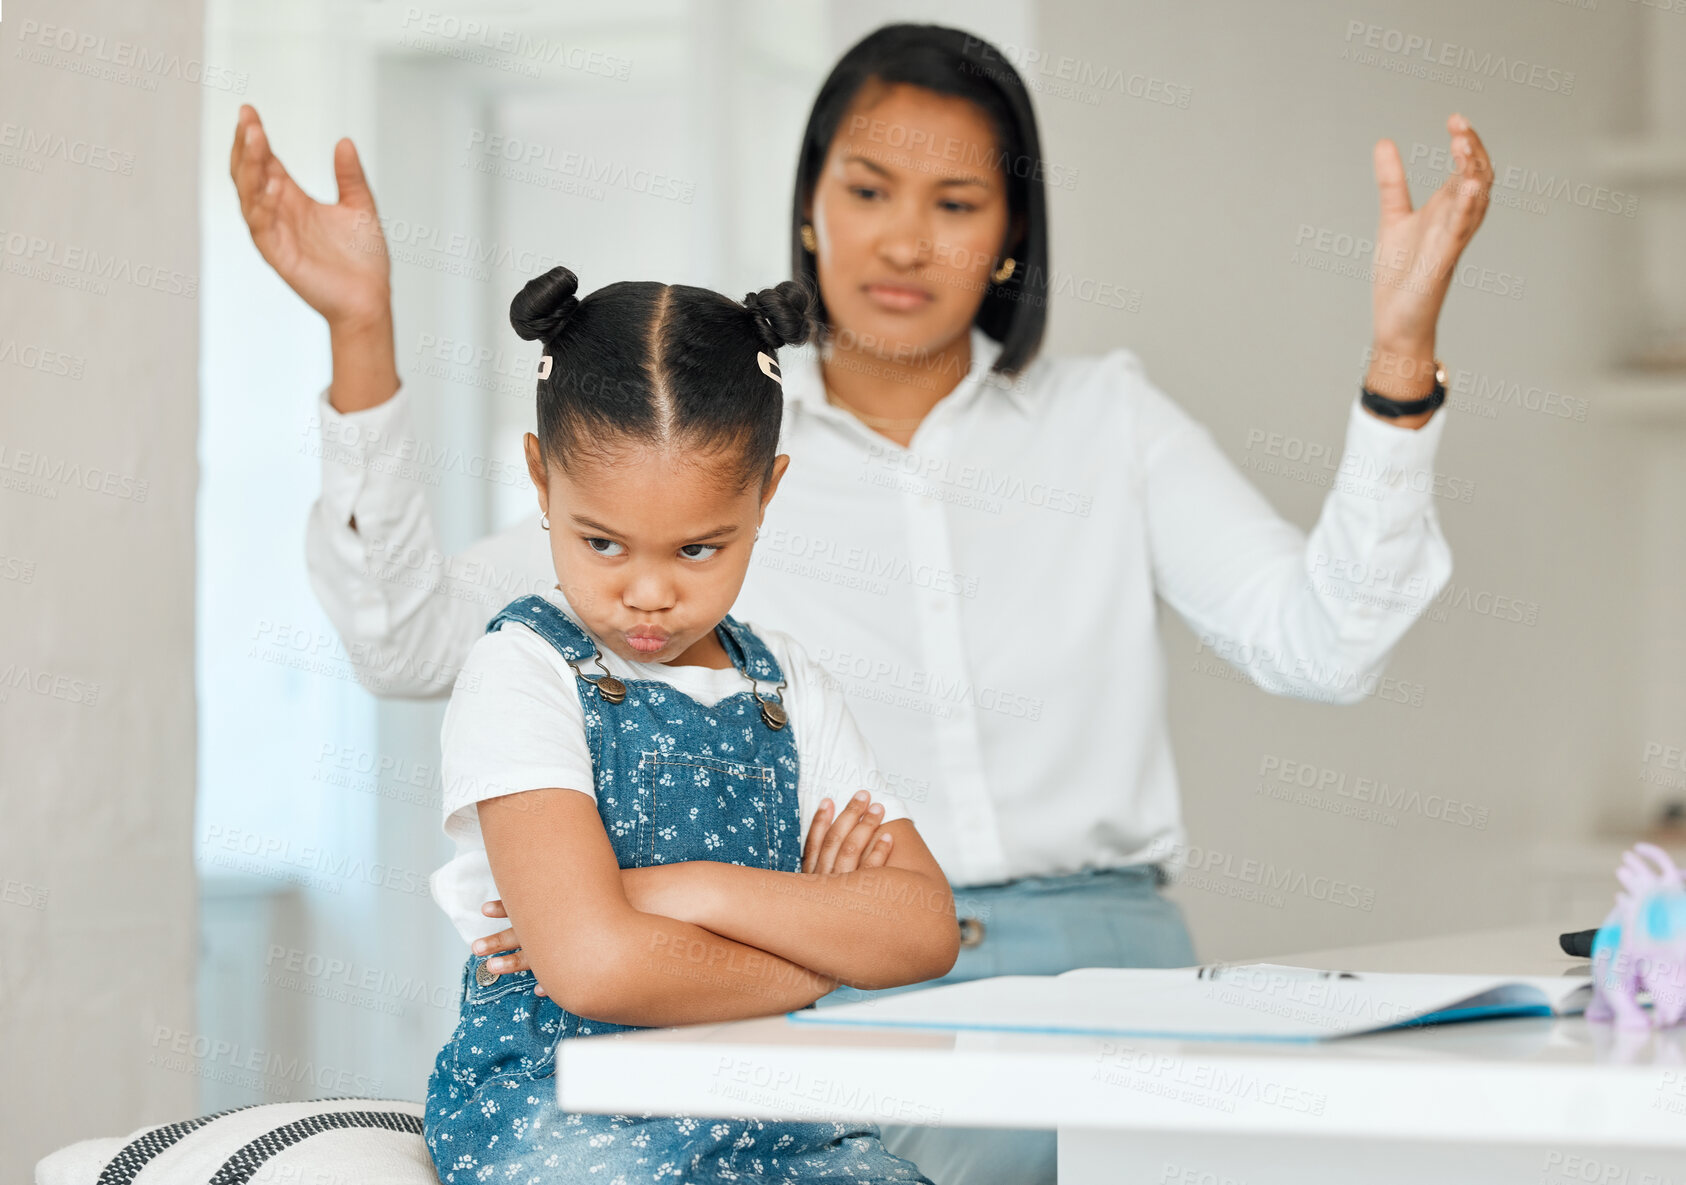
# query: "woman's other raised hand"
1416,260
333,256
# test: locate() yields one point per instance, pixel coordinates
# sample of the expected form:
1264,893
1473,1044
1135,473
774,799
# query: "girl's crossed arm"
891,922
873,927
594,953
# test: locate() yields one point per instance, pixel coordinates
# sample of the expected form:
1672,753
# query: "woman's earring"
544,521
1005,272
808,239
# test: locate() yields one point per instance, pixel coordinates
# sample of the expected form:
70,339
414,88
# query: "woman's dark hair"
661,364
949,62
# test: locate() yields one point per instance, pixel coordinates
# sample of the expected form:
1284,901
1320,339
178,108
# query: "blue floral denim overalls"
675,781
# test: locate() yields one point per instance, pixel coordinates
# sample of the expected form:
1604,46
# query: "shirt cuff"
350,443
1395,465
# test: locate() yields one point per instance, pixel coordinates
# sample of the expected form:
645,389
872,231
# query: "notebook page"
1174,1003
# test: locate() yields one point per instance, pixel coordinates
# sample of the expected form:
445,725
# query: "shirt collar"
803,386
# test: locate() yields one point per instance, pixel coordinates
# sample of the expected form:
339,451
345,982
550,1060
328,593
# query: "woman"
970,536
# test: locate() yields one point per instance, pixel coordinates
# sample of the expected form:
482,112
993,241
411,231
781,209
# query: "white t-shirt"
514,723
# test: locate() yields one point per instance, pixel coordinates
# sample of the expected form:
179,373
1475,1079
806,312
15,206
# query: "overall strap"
748,652
550,623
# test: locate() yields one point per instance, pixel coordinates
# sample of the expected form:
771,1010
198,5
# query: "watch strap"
1394,408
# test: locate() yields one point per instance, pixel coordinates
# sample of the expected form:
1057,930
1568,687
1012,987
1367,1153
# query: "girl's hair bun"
544,304
783,315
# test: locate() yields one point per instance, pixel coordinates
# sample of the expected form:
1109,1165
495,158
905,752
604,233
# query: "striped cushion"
326,1142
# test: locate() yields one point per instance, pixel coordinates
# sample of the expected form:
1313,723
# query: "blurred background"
215,868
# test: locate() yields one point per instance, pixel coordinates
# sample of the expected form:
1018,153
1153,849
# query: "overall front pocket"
709,808
505,1028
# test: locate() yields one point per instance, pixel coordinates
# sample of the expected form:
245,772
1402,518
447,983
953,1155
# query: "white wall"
97,477
1199,209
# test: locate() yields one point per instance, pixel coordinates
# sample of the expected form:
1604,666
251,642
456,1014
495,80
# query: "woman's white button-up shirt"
986,596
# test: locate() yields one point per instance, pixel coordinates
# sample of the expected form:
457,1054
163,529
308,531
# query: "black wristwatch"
1392,408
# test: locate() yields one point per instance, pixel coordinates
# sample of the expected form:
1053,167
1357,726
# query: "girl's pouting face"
911,215
650,546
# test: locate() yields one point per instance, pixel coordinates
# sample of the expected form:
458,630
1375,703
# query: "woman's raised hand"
854,839
334,256
1417,250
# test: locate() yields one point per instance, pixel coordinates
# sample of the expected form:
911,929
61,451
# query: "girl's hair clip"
544,367
769,366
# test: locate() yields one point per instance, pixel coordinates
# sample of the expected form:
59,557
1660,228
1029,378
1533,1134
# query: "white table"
1529,1100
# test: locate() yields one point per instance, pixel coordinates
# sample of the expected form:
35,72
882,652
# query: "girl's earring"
1005,272
544,521
808,238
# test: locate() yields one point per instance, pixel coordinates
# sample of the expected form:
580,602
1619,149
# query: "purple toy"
1642,944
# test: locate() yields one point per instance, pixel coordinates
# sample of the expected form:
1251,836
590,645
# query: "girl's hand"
853,840
649,890
504,940
1417,250
332,256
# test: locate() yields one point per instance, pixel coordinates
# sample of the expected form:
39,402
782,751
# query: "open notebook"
1224,1002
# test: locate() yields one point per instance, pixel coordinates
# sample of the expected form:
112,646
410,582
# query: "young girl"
627,766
